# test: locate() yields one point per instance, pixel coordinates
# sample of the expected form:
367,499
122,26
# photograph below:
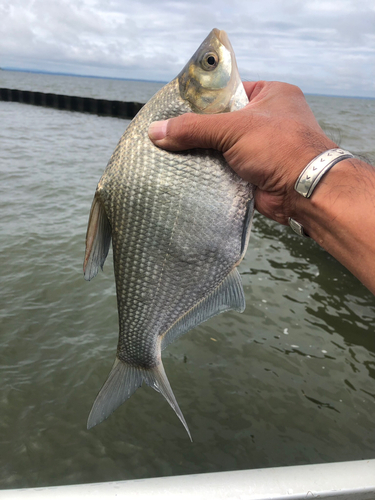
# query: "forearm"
340,217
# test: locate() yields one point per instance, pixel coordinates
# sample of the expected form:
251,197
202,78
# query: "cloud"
323,46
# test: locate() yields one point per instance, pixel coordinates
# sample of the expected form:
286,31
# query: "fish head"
210,81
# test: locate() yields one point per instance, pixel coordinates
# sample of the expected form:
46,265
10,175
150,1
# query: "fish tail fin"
122,382
158,380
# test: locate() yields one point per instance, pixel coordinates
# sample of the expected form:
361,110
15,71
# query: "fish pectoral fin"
98,239
228,295
122,382
247,228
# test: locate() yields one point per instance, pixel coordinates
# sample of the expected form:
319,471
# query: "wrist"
339,193
312,174
318,213
340,216
313,146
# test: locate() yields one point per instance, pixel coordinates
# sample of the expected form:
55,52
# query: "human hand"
268,143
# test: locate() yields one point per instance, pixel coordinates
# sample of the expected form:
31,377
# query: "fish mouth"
223,38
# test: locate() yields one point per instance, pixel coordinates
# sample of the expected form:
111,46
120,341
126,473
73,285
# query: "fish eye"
209,61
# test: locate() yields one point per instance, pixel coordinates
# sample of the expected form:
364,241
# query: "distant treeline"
101,107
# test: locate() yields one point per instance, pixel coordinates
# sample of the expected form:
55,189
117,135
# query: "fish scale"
179,224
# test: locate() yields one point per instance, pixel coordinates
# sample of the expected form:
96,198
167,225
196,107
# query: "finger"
191,131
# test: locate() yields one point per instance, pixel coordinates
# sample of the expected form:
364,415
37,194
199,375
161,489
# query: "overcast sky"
324,46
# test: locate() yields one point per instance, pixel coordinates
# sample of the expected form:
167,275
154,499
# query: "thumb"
192,130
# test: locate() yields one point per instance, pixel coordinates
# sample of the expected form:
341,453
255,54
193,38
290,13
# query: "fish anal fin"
98,239
123,380
228,295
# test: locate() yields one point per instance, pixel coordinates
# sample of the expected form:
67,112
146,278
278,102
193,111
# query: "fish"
179,223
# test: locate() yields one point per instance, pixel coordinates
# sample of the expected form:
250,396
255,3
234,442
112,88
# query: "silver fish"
179,224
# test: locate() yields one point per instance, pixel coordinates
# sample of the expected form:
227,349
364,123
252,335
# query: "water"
290,381
98,88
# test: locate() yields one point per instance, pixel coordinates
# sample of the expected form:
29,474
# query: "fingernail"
158,130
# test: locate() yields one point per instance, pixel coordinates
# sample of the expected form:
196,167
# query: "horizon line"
78,75
60,73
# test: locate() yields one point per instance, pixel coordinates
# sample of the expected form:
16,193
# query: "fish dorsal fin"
228,295
98,239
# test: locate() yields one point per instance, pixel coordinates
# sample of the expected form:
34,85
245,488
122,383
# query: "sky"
324,46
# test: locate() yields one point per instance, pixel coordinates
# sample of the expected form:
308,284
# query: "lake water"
290,381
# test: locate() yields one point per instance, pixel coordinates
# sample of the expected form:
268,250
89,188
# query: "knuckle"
183,128
294,89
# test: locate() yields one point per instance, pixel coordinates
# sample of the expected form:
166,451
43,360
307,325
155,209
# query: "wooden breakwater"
102,107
